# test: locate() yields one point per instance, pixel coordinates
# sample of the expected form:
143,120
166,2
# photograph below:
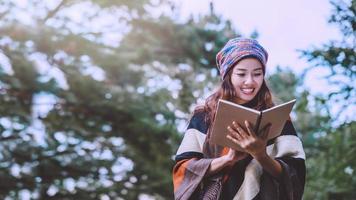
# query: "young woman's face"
247,79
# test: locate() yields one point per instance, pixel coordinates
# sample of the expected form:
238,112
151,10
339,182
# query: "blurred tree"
99,137
90,100
338,58
331,158
331,169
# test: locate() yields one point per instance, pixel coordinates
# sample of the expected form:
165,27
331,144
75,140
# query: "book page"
227,112
277,116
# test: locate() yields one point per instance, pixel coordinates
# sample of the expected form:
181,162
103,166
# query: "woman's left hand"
248,140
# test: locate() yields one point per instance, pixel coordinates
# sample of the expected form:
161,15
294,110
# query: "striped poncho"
246,179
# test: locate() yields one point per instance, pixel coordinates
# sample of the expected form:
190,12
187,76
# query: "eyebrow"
246,69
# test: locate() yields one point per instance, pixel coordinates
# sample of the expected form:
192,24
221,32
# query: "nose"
249,80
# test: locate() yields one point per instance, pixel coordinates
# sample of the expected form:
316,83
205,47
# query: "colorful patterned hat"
235,50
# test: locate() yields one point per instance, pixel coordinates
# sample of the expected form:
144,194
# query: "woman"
273,169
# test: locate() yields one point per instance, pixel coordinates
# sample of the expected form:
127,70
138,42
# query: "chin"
243,98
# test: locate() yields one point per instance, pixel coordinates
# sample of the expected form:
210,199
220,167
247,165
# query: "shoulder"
197,121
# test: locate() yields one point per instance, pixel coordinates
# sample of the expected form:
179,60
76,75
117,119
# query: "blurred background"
95,94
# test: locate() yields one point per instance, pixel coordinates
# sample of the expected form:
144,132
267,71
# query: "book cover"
227,112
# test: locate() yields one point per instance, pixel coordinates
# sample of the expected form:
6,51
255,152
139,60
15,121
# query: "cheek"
259,82
236,85
236,81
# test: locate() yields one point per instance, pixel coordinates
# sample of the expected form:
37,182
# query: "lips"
248,91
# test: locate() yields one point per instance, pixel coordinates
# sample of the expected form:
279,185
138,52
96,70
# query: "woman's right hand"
233,156
226,160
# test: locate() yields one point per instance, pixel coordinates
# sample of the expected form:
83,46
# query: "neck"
249,104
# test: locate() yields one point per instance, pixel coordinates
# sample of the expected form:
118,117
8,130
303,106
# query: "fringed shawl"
246,180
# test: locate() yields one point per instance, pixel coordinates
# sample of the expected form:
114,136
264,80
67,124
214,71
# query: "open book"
227,112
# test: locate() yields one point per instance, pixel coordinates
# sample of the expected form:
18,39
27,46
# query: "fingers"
231,152
235,156
239,129
250,129
232,139
234,133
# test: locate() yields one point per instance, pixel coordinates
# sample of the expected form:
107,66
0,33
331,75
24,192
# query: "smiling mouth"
248,91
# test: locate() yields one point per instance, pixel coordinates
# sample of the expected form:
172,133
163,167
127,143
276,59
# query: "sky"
284,27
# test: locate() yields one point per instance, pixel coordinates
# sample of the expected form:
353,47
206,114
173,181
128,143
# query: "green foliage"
331,154
283,83
110,135
339,57
99,137
331,171
110,129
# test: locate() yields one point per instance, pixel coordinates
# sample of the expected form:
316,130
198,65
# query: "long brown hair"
226,91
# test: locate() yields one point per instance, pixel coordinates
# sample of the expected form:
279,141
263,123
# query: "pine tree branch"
51,13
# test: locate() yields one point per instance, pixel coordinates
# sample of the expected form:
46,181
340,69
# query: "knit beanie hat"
235,50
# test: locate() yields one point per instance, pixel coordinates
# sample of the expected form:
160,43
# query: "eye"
258,74
240,74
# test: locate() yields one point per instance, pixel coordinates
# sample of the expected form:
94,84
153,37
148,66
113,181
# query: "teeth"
249,90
